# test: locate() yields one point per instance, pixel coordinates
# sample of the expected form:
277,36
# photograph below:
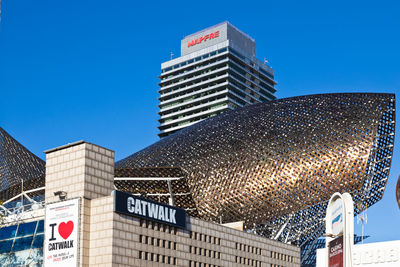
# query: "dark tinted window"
5,246
8,232
38,242
40,228
26,229
22,243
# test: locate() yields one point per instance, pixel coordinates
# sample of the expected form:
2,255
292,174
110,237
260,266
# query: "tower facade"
217,71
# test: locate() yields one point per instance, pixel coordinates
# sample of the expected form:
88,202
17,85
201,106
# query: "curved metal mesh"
279,162
16,164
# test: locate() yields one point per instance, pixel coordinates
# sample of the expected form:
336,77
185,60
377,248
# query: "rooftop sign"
147,209
218,34
203,38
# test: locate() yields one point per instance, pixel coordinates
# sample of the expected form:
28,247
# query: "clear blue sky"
72,70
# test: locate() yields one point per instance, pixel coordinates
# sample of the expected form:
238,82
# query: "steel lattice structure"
275,165
18,164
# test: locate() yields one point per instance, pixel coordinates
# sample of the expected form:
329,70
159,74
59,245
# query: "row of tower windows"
195,82
242,88
193,104
248,262
180,65
268,75
254,85
177,66
243,70
205,252
247,248
232,65
205,238
201,264
203,72
204,101
192,120
148,240
158,226
217,64
193,112
195,96
239,101
213,91
280,256
144,255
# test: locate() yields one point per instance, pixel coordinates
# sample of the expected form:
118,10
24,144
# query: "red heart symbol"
65,229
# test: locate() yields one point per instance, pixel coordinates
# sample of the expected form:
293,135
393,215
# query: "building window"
148,256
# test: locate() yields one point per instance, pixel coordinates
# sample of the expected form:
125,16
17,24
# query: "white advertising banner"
381,254
61,234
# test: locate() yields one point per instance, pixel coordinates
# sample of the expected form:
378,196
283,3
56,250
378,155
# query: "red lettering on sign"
203,38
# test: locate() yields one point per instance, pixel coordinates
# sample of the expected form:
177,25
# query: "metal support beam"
25,192
308,250
146,178
283,227
171,198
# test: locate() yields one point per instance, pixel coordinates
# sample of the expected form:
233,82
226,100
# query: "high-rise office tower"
217,71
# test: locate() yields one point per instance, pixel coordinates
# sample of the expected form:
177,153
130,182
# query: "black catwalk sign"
140,207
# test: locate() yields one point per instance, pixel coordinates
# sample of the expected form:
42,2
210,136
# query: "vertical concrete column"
84,170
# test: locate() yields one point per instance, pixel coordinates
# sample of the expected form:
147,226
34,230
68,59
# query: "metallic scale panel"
277,163
18,164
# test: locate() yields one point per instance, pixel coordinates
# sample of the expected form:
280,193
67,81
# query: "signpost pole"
340,230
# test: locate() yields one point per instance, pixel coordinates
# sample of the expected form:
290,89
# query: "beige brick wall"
99,171
81,169
101,232
65,171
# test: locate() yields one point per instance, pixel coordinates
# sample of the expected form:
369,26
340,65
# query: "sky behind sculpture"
88,69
